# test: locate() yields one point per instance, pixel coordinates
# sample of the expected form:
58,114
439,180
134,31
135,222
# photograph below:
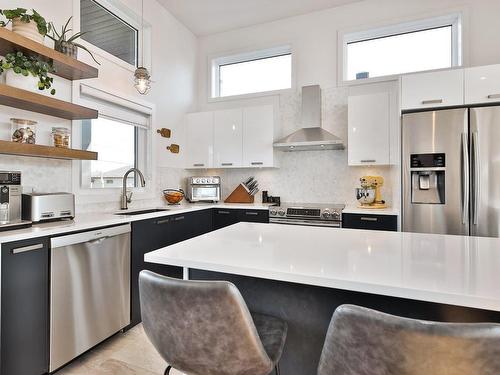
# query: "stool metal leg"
277,369
167,370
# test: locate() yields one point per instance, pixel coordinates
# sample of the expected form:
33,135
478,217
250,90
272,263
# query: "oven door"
205,193
312,223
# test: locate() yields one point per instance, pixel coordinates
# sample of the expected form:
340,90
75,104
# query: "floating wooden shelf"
22,149
30,101
65,66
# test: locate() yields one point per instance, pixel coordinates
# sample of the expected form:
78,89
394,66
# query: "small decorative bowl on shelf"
173,196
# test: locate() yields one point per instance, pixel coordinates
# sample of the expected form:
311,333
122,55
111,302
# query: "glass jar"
61,137
23,131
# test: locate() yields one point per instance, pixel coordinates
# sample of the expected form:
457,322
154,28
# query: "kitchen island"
302,274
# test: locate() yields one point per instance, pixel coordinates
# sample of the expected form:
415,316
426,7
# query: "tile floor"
128,353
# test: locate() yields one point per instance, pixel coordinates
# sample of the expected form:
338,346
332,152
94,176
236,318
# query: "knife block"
240,195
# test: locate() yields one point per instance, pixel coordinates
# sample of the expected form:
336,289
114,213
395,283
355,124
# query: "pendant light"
142,78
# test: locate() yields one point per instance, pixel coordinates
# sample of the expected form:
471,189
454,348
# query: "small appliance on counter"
203,189
266,198
318,215
39,207
173,196
244,192
10,201
369,195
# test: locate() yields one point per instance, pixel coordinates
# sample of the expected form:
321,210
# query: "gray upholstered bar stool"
361,341
205,328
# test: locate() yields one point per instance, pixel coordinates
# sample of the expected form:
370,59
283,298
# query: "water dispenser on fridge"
428,178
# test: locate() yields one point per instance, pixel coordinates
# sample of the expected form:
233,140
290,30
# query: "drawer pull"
251,213
494,96
257,163
164,221
369,219
226,164
433,101
368,161
223,212
198,165
24,249
179,218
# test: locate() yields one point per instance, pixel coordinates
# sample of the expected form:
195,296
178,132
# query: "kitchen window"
121,136
253,72
109,32
404,48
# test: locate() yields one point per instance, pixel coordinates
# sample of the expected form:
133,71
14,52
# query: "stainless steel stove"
321,215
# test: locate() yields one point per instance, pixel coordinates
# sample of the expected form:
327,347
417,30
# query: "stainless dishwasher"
89,290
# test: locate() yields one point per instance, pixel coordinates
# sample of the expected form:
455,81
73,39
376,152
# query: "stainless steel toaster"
39,207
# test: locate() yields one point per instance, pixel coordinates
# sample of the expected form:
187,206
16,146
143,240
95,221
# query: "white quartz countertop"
454,270
100,219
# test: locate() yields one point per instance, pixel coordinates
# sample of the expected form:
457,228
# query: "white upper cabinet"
482,84
369,119
258,133
433,89
199,140
228,138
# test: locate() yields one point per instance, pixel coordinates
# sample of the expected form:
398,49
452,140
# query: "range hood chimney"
311,136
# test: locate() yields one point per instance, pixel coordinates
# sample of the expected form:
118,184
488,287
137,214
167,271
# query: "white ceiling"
204,17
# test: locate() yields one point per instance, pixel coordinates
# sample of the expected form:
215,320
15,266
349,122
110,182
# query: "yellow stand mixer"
369,195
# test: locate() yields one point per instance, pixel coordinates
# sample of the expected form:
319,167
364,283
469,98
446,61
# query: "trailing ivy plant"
26,65
24,16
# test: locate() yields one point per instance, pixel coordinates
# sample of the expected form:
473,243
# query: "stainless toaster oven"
203,189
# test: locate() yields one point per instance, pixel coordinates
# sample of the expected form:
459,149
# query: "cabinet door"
434,89
258,136
482,84
148,235
369,129
370,221
228,138
223,217
199,140
25,306
254,216
200,222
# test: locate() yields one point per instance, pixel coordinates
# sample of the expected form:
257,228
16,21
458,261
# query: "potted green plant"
65,44
32,26
27,72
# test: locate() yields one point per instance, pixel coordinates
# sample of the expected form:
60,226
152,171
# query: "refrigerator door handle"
465,179
477,176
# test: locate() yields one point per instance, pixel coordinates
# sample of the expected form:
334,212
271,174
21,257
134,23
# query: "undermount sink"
141,212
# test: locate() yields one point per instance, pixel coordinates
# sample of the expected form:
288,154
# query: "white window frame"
97,195
133,19
345,37
233,58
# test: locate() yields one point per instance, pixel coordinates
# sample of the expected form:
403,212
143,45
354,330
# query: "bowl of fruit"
173,196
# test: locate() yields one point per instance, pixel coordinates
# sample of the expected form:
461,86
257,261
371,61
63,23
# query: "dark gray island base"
308,310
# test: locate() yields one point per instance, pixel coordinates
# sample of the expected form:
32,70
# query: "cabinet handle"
257,163
198,165
164,221
369,219
179,218
251,213
27,248
368,161
494,96
433,101
226,164
223,212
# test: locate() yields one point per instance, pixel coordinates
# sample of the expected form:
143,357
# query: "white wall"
314,42
174,61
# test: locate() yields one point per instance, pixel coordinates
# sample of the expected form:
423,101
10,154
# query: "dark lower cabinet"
153,234
223,217
25,307
255,216
370,221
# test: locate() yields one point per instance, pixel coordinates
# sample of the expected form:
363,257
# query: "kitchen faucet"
127,198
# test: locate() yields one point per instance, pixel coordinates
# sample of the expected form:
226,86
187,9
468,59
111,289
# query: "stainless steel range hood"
311,136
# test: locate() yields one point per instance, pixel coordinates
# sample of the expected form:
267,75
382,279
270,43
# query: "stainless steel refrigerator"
451,171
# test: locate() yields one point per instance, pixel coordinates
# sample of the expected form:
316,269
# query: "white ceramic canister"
27,29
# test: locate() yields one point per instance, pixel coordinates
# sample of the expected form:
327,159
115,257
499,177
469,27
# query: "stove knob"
281,212
336,215
326,215
272,212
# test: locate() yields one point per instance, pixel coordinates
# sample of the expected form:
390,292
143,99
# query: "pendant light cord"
142,33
